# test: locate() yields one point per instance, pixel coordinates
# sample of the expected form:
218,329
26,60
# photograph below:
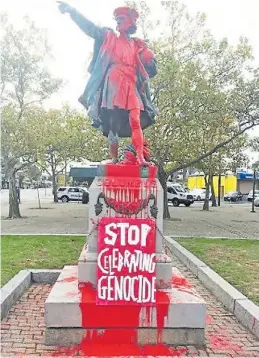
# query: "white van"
176,195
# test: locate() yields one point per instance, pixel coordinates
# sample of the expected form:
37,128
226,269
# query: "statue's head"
126,19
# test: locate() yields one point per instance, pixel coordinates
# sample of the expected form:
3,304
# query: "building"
83,173
228,183
245,181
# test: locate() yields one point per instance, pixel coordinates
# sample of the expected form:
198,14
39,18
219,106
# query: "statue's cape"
100,63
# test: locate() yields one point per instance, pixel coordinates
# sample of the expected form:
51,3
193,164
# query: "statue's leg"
137,135
113,140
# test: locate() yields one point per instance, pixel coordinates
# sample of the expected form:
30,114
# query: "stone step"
66,337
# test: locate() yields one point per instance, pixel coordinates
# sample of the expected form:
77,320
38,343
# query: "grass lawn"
237,261
21,252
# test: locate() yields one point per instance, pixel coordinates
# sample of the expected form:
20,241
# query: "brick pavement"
23,329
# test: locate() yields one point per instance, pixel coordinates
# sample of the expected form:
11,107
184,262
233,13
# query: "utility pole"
219,187
219,181
253,200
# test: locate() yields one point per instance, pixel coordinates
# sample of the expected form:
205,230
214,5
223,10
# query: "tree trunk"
162,176
54,178
206,205
65,173
38,194
14,210
55,187
213,197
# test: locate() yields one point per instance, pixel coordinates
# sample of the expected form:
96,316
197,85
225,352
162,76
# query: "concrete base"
186,312
170,336
87,268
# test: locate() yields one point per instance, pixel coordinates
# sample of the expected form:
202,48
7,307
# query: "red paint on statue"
146,55
126,192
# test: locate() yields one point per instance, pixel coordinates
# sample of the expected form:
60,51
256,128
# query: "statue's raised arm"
85,25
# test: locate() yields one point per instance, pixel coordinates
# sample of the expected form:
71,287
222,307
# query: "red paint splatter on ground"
209,320
118,342
224,344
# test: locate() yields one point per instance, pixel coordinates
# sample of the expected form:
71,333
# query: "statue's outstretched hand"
63,7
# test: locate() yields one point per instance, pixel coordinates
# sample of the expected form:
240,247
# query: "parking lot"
229,220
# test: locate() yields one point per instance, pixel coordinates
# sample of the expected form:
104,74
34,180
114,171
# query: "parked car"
233,196
73,193
250,195
178,197
199,194
257,202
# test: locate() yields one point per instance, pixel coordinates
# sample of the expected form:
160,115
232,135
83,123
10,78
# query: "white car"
257,202
199,194
250,195
73,193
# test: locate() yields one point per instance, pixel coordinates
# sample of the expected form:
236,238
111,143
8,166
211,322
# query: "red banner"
126,270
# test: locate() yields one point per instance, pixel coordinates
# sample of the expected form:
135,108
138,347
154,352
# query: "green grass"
21,252
237,261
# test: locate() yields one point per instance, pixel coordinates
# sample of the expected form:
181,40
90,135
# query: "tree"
20,143
25,82
68,136
33,173
254,144
207,91
228,157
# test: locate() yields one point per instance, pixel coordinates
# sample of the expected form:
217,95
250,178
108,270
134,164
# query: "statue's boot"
137,136
114,149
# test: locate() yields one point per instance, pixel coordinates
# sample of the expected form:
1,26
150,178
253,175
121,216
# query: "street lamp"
254,184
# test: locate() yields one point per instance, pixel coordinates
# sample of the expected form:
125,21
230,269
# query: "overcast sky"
71,48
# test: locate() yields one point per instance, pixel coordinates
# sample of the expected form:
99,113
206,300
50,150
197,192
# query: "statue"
130,156
117,95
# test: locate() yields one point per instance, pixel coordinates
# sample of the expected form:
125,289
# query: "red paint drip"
162,306
118,342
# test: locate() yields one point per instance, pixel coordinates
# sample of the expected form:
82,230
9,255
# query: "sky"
71,48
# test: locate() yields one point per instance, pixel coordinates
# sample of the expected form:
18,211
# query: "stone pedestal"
185,322
88,258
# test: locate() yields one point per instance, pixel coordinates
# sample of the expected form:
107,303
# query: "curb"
14,288
244,309
211,237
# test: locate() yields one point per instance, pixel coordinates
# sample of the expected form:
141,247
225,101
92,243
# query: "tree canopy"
25,82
